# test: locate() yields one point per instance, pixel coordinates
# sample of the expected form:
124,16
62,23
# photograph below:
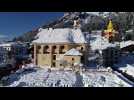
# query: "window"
72,59
38,49
82,58
46,49
82,48
54,49
54,57
53,65
62,49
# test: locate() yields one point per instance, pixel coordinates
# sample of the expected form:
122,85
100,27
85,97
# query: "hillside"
89,21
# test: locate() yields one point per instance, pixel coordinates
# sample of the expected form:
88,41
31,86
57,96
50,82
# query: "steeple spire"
110,26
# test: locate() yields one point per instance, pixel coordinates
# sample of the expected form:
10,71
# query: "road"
124,78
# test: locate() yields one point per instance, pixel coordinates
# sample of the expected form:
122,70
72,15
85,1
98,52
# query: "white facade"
14,49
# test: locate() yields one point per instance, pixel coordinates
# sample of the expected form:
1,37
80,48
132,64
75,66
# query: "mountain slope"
89,21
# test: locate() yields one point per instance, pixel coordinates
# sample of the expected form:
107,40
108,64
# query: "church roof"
60,35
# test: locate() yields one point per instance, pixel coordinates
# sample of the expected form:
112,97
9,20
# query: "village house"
10,52
54,47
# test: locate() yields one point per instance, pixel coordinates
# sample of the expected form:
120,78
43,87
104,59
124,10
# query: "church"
55,48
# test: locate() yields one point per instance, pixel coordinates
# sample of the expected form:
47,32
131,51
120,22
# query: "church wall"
54,51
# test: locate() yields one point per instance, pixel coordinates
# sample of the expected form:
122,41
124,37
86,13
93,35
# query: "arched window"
54,57
38,49
62,49
53,64
82,48
72,59
46,49
54,49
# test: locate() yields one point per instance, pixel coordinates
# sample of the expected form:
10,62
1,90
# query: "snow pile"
100,43
126,43
63,35
73,52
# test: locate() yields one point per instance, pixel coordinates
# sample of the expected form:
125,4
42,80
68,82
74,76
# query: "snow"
126,64
129,69
73,52
126,43
100,43
103,80
6,44
38,77
64,35
9,44
129,31
96,13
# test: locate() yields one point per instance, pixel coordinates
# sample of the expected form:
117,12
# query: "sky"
13,24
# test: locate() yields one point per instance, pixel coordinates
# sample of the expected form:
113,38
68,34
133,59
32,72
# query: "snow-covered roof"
73,52
60,35
10,44
100,43
129,31
126,43
6,44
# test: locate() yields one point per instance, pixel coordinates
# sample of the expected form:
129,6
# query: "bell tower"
109,33
77,23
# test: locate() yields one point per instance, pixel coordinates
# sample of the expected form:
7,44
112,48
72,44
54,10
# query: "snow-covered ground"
103,79
38,77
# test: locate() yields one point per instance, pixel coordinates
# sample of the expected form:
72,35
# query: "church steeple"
110,26
109,33
77,23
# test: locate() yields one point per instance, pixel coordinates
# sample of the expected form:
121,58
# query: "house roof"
6,44
11,44
126,43
73,52
100,43
60,35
